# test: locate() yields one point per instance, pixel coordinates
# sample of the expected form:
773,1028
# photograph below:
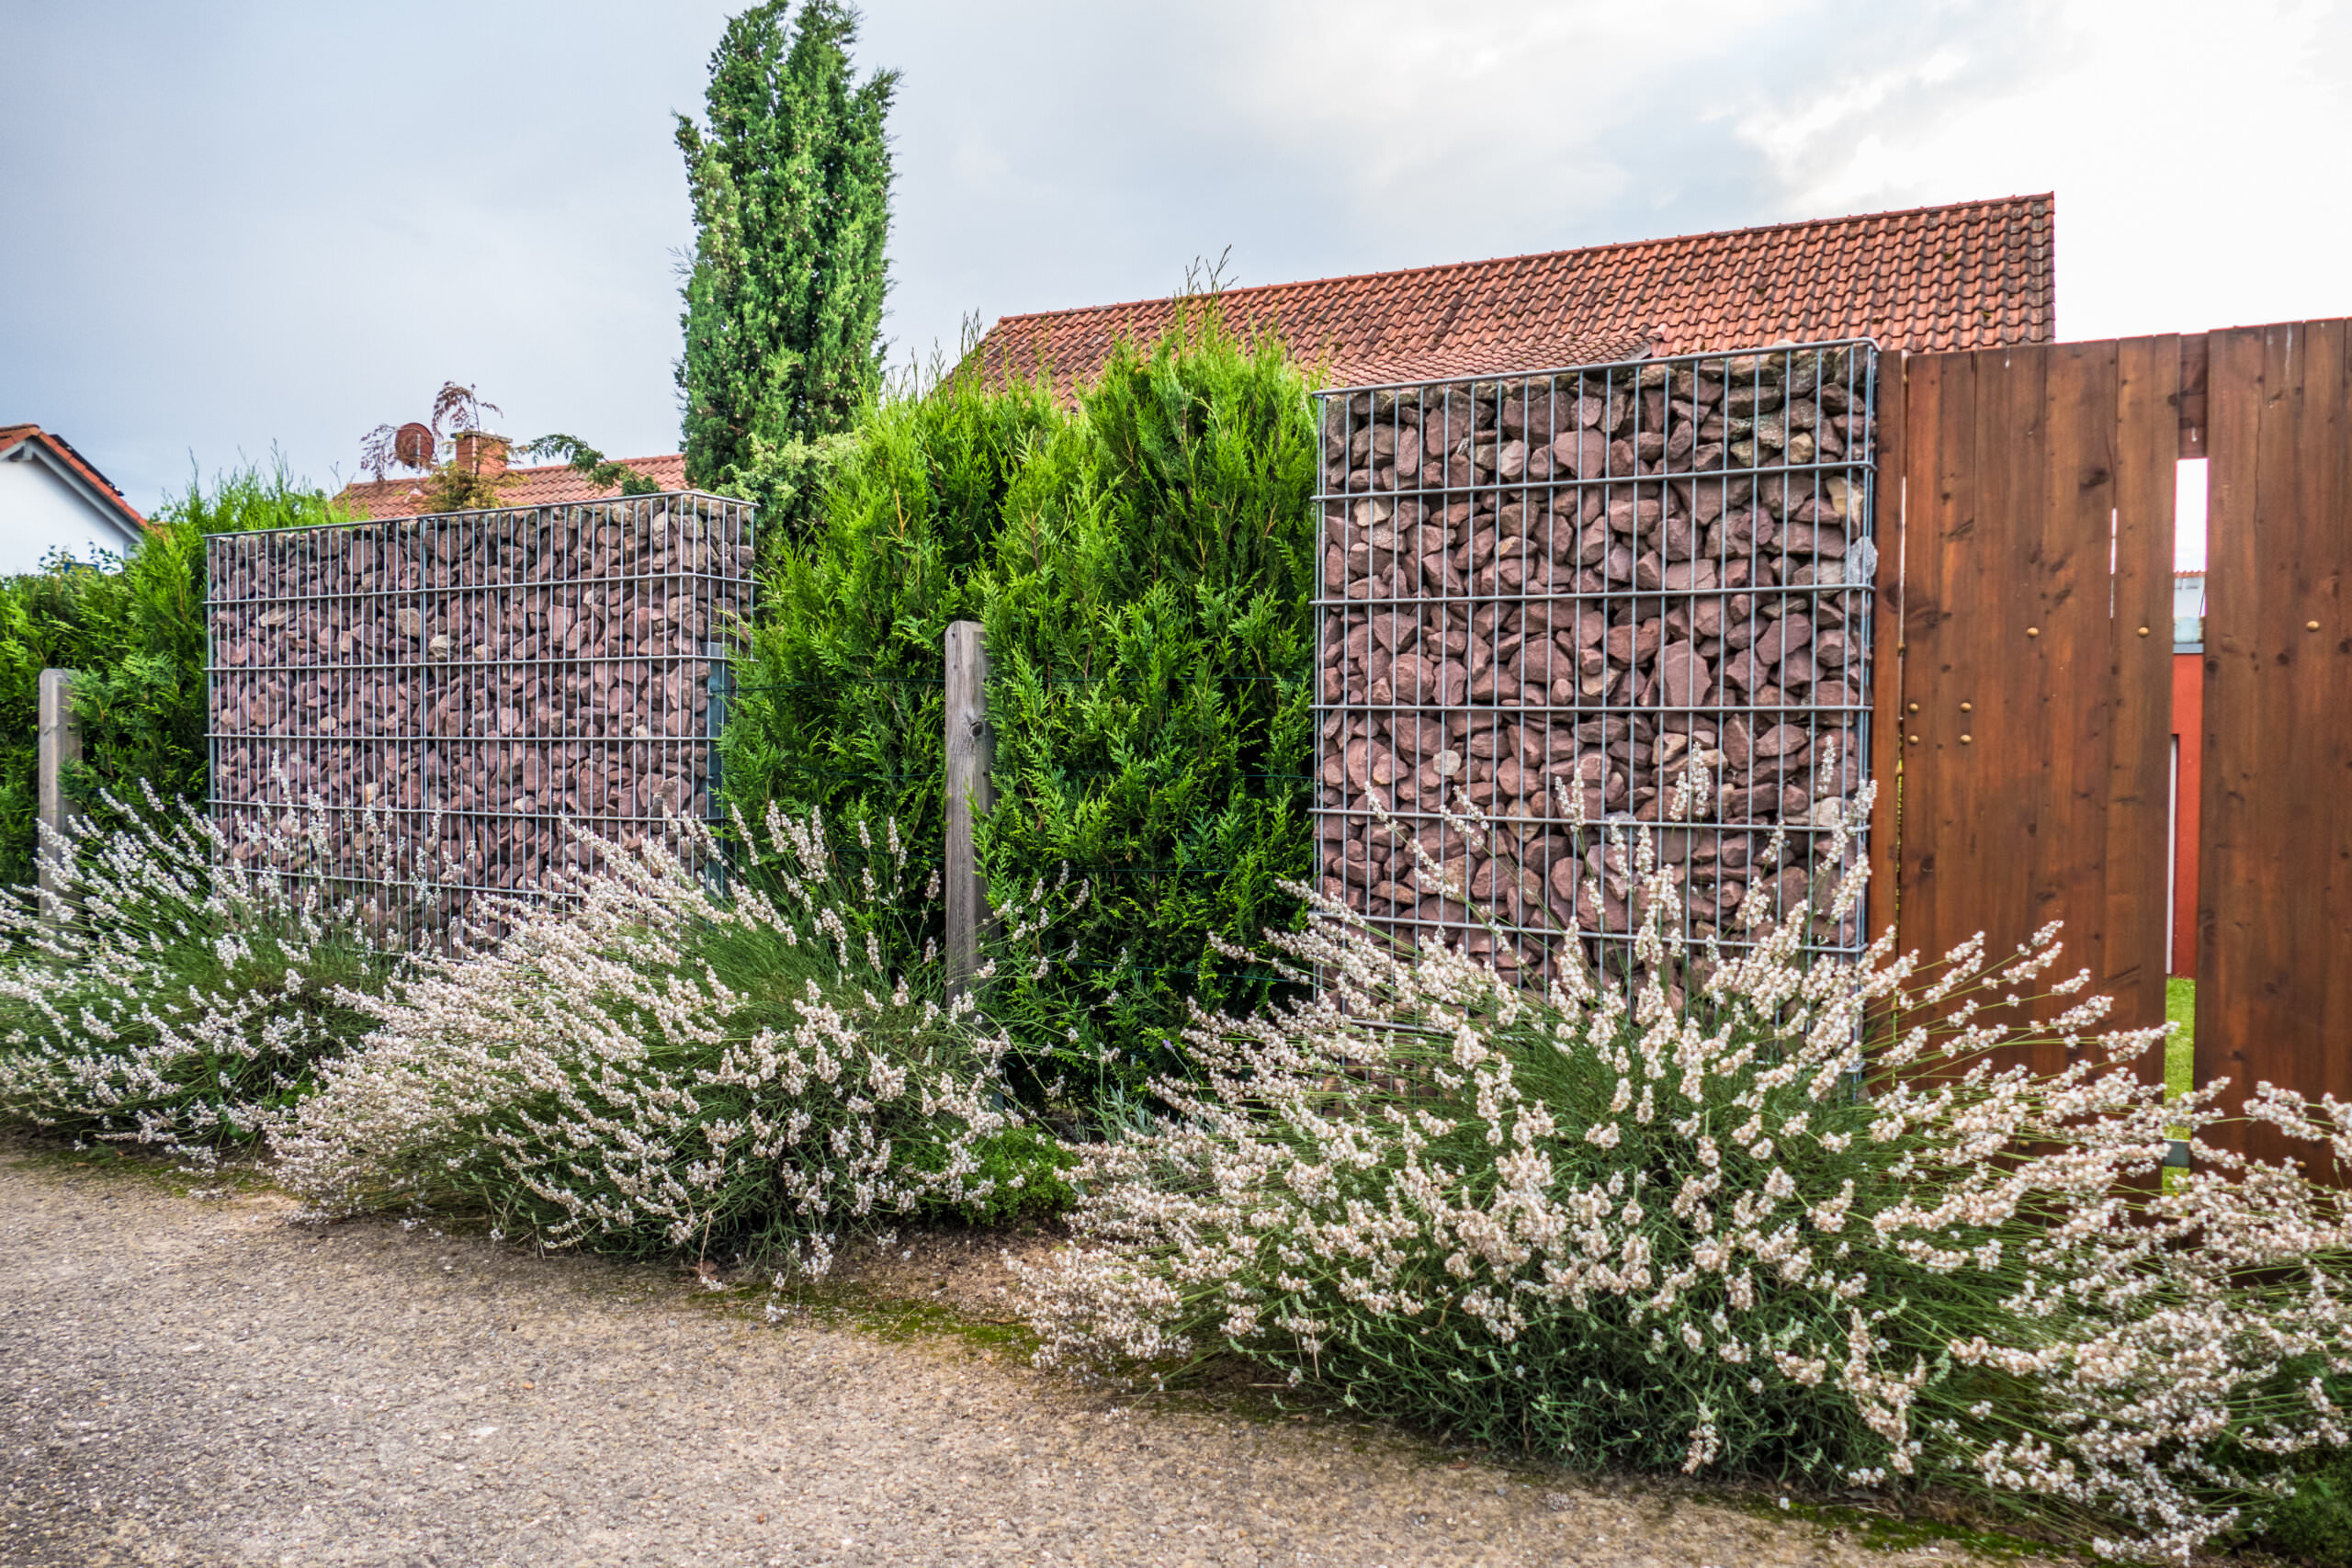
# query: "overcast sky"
256,222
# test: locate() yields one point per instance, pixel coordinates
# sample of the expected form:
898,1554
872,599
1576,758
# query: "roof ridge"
537,484
2051,197
530,469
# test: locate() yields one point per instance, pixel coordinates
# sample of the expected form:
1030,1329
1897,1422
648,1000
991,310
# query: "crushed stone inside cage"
1587,610
434,704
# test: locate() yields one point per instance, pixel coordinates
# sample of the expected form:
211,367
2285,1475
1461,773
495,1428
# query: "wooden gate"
2032,700
2274,968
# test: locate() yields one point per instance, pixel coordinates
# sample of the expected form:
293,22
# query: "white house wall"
41,511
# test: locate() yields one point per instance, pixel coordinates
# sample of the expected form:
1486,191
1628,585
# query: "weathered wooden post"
970,753
61,742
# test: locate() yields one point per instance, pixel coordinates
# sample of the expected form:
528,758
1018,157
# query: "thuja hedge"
134,630
841,706
1142,566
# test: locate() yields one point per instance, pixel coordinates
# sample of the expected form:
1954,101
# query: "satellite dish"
414,445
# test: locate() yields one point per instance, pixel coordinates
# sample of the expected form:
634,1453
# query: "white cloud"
268,221
2180,137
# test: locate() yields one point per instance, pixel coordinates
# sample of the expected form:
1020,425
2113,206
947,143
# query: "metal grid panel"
1592,576
450,690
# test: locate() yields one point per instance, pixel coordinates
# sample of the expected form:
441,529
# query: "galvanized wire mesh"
1587,580
444,697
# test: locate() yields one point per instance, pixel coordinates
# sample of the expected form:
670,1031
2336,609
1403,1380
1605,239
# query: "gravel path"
195,1382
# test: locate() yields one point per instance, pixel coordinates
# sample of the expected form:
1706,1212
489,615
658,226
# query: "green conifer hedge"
1143,567
135,633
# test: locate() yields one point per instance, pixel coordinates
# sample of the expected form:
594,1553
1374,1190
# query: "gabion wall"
453,689
1592,576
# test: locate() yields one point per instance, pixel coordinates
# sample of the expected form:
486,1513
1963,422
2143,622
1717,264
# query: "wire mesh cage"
439,701
1549,597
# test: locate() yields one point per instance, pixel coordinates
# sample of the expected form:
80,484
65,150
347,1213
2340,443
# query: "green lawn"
2180,1061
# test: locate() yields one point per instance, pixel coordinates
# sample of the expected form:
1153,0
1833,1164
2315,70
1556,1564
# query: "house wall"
2189,784
2187,756
41,512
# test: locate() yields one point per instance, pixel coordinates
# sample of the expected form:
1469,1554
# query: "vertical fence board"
2064,742
2035,789
2275,879
2230,853
2139,636
1939,413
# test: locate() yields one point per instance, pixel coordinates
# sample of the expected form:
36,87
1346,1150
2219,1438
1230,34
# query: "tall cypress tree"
791,188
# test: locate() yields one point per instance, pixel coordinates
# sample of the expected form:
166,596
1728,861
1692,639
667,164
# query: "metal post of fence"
61,742
970,753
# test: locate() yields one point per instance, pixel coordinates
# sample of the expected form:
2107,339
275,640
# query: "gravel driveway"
195,1381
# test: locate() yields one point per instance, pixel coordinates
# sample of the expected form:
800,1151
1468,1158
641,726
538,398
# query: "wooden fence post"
970,753
61,742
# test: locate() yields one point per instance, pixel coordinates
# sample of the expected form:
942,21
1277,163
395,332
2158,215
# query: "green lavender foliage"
2315,1524
790,182
1142,566
193,999
134,630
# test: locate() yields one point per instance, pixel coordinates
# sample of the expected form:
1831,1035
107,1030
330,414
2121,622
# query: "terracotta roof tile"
1976,275
556,484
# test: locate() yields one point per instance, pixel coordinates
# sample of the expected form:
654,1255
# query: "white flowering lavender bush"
1749,1215
665,1063
177,993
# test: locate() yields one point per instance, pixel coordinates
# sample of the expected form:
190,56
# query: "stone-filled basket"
450,690
1593,576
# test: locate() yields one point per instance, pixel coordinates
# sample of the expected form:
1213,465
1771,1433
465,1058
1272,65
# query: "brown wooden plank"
1886,649
1967,577
2274,912
2055,728
2327,557
1939,500
2228,852
2191,404
2015,810
2294,1045
2138,850
2036,788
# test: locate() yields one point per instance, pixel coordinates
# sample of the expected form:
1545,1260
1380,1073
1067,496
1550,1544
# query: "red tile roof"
556,484
1975,274
11,436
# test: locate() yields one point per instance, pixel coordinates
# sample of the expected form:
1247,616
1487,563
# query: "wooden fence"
2026,702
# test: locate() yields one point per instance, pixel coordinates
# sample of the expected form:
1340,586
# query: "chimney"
478,452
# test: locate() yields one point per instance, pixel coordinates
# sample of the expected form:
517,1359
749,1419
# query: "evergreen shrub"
840,707
1142,566
790,182
134,630
1149,646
